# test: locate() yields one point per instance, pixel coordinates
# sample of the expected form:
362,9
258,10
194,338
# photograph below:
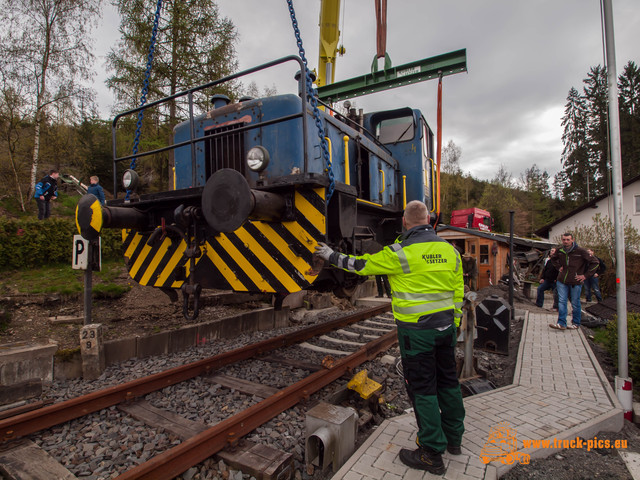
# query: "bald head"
415,213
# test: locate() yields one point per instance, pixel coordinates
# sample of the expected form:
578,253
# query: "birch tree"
13,123
45,48
194,45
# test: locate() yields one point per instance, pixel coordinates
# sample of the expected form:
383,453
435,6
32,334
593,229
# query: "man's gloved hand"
324,251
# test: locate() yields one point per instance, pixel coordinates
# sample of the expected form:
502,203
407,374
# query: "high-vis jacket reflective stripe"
425,274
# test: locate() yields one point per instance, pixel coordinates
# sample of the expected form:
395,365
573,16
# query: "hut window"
484,254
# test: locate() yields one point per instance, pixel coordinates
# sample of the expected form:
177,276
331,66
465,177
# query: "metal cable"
314,103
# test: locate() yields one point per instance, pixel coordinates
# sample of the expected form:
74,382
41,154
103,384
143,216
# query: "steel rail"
196,449
46,417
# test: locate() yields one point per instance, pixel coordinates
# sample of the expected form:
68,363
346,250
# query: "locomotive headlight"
257,159
130,179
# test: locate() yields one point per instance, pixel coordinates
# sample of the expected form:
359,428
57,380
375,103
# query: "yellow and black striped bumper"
257,257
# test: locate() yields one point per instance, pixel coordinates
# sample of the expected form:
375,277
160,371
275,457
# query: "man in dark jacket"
593,283
575,264
548,279
470,271
46,190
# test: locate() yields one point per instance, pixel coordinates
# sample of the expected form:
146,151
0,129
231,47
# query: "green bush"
28,242
610,341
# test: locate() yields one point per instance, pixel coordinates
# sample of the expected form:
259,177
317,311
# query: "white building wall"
630,209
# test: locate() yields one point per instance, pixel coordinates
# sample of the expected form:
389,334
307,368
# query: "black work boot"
454,449
423,459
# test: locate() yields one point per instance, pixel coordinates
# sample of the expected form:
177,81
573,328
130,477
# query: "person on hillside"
574,265
593,283
96,190
548,278
46,190
425,274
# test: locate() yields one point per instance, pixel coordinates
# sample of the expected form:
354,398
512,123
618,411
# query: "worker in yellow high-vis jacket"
425,274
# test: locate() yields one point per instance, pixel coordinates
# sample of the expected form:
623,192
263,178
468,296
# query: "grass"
109,290
5,320
11,204
65,281
66,205
600,336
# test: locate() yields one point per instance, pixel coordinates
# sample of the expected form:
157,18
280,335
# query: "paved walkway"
559,391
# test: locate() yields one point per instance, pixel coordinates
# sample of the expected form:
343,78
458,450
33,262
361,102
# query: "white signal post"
623,381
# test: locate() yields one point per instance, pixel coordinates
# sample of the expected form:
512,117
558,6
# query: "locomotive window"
428,185
394,130
427,139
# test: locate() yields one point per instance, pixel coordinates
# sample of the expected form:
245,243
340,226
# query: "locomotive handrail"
210,136
189,93
356,126
367,134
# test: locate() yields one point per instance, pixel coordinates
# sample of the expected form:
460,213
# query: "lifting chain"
192,252
314,103
145,87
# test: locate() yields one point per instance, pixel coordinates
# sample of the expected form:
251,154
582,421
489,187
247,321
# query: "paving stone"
352,476
389,462
546,400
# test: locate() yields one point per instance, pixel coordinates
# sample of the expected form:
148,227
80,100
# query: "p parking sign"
86,254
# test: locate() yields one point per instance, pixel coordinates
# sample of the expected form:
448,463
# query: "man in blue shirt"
46,190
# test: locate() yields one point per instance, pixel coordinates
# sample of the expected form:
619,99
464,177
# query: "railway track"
314,357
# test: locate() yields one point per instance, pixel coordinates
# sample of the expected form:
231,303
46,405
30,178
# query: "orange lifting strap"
381,28
439,146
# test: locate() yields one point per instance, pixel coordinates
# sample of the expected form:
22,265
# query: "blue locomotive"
254,193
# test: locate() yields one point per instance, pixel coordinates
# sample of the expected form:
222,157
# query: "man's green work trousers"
429,365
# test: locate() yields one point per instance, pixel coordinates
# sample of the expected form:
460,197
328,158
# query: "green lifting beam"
414,72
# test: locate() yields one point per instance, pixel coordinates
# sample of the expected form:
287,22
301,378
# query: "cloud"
523,57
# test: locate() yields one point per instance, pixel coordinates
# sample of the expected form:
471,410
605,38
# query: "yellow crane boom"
329,37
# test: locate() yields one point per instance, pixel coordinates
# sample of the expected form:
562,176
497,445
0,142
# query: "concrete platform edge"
603,378
346,467
518,370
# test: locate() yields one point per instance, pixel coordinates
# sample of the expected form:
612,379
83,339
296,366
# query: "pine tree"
629,100
498,199
575,157
595,92
194,45
536,184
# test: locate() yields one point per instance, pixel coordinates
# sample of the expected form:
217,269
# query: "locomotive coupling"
92,217
228,201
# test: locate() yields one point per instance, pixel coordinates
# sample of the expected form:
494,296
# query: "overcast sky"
522,59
